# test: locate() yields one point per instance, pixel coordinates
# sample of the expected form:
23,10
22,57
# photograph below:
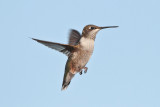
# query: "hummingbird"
78,50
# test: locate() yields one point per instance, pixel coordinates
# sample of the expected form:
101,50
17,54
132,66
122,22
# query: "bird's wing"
74,37
66,49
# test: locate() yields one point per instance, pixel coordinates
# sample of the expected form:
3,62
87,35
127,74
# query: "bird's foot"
80,73
85,69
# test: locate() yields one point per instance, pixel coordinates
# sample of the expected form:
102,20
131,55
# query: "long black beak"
108,27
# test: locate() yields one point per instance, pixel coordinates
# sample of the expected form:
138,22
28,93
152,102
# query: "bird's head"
90,31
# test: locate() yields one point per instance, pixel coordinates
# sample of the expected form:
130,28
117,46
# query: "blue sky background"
124,70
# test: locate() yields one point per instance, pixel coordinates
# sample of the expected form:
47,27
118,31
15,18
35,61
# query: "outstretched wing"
74,37
66,49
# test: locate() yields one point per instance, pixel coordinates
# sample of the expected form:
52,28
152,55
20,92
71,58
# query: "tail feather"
66,80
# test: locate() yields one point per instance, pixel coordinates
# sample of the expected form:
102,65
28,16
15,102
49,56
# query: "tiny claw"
85,69
80,73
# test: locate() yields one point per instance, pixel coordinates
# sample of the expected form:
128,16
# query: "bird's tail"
66,80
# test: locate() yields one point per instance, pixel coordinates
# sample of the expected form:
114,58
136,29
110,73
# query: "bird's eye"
91,28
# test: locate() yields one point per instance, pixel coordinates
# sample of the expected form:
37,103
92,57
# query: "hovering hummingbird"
79,50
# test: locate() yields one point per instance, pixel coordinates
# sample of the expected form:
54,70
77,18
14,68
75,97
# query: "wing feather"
66,49
74,37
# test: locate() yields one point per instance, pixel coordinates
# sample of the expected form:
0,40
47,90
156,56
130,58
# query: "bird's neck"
86,43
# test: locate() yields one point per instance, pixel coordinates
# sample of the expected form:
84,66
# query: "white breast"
87,43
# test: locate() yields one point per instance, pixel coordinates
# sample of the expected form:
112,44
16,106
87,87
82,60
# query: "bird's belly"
80,59
84,60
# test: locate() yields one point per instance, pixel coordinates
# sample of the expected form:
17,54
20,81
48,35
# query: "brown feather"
74,37
66,49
